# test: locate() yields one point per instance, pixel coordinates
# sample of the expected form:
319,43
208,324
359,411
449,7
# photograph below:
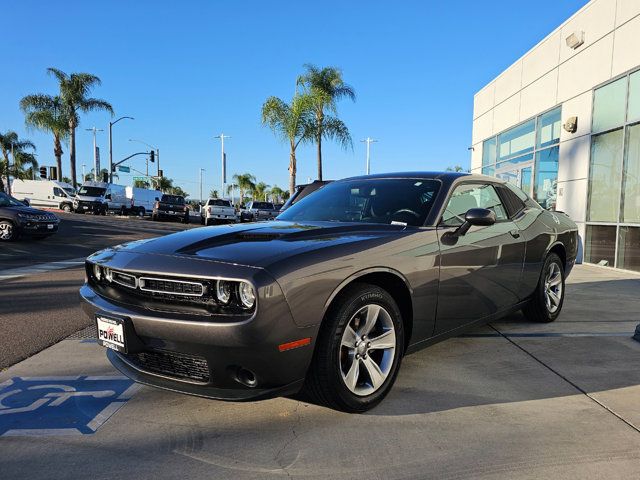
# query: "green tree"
293,122
326,87
140,183
455,168
276,193
74,91
245,183
178,191
49,114
213,193
10,142
66,180
163,184
260,191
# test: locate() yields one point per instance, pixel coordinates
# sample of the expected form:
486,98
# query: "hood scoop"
258,236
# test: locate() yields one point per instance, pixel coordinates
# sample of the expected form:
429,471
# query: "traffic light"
43,172
152,156
53,173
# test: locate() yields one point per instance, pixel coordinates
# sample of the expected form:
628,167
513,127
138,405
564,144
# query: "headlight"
223,291
247,294
97,272
26,216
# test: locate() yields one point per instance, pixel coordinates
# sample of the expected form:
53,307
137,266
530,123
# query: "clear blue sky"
189,70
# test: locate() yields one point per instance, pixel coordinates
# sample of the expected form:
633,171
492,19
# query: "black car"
171,207
18,219
301,191
330,296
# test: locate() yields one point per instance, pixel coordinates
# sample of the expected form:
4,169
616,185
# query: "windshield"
385,200
219,203
174,199
91,191
7,201
70,191
262,205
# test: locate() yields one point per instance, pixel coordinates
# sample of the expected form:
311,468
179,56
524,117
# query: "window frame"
453,188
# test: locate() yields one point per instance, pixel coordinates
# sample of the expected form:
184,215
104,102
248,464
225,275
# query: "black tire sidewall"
550,317
337,320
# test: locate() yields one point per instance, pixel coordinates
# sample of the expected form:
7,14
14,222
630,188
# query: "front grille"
123,279
177,287
172,364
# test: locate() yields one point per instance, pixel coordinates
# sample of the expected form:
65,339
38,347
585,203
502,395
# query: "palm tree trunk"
72,153
57,151
319,142
4,163
292,170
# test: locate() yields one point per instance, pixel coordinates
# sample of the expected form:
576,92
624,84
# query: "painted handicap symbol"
60,405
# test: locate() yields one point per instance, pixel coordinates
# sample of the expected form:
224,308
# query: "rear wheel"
185,219
8,231
358,351
546,302
141,212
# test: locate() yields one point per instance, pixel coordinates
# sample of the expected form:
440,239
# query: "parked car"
330,296
18,219
101,197
142,200
171,207
44,193
256,211
217,210
302,191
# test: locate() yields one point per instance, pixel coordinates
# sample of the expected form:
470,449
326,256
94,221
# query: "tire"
545,307
202,221
141,212
8,231
186,219
154,217
333,379
66,208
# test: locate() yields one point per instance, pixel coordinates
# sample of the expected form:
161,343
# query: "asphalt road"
37,311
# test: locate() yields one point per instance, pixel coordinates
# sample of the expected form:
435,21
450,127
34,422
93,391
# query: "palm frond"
93,104
335,129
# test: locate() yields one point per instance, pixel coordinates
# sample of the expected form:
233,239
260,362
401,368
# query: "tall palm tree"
276,193
48,113
293,122
213,193
24,165
246,183
10,142
163,184
74,91
260,191
326,87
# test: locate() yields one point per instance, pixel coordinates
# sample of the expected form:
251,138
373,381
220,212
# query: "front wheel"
66,208
358,351
546,302
8,231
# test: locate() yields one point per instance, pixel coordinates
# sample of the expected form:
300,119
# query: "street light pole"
368,141
111,124
95,152
222,136
9,171
152,148
83,174
201,170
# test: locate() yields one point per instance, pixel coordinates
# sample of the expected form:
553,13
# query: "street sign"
142,179
124,168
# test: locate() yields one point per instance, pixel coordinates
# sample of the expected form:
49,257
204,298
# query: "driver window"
469,196
58,192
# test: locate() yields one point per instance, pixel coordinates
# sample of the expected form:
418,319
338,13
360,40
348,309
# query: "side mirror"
107,196
27,202
480,217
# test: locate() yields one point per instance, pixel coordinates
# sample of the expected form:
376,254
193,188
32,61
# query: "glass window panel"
631,177
516,141
545,187
600,245
514,162
549,128
629,248
489,152
470,196
609,105
488,171
634,97
605,177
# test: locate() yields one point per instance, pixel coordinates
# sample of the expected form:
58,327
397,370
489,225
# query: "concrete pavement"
512,400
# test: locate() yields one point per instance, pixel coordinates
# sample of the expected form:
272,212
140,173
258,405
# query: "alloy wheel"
553,287
367,350
6,231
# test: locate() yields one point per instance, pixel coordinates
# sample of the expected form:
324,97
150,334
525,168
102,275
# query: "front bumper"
230,348
93,207
30,227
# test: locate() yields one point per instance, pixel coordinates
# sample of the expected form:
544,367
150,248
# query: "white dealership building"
563,123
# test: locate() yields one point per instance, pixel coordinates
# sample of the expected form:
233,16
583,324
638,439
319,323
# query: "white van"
44,193
100,197
142,200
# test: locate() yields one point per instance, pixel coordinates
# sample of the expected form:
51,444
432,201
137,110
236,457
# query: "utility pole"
96,164
9,171
201,170
83,174
222,136
111,124
368,141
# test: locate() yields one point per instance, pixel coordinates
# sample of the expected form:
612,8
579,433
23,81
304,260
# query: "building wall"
553,74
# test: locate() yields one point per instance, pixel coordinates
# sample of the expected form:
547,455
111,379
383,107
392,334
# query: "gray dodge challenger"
329,297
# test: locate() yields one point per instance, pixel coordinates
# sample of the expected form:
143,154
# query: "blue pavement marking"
61,405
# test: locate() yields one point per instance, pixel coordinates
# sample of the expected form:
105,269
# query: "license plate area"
111,333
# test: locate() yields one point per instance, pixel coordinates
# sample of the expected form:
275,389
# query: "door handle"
515,233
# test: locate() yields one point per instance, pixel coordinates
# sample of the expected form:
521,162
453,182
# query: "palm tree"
276,193
140,183
19,168
91,176
163,184
245,182
48,113
293,122
326,87
11,143
455,168
260,191
74,91
213,193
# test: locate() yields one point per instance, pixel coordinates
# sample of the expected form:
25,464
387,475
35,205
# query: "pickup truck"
256,211
217,210
170,207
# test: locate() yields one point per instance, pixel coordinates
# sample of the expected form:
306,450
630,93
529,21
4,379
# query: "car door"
480,272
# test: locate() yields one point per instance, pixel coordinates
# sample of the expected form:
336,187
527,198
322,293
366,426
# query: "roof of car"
448,176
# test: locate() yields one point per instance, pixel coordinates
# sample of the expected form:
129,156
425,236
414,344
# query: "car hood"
260,244
85,198
27,210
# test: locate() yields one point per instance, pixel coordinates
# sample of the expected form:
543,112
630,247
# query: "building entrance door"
520,175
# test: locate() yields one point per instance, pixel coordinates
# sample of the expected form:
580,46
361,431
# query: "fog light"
223,291
247,294
97,272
